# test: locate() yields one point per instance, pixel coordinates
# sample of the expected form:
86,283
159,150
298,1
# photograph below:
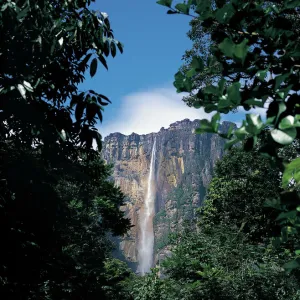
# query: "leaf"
225,13
61,41
261,75
166,3
172,12
205,126
83,63
106,48
284,137
286,122
120,46
104,97
215,121
292,170
184,8
235,51
93,67
103,61
234,95
254,102
279,79
291,4
192,72
241,50
197,63
254,123
231,143
22,90
113,49
227,47
27,86
98,138
79,110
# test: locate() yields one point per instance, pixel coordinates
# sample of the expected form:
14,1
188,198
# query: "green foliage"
151,287
242,182
45,50
220,264
57,207
259,65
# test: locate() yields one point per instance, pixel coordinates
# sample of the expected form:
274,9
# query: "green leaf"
120,46
261,75
103,61
98,138
291,171
113,49
241,50
284,137
197,63
254,102
203,9
234,95
167,3
279,79
184,8
287,215
231,143
93,67
227,47
287,122
254,123
192,72
225,13
205,126
290,4
235,51
291,265
215,121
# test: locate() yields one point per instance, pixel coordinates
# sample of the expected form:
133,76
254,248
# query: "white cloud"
148,111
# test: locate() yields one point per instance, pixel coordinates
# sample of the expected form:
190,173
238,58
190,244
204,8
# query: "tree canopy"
58,205
259,60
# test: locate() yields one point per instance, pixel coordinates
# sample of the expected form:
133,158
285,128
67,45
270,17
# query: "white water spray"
146,221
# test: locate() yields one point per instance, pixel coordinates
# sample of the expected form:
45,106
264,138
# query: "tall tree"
259,60
57,206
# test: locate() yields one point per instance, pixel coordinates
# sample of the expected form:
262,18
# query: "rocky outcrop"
183,168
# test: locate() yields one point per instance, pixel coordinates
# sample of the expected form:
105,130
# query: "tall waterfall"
146,220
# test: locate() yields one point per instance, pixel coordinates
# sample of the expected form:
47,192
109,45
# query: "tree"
260,68
242,182
57,205
219,263
202,42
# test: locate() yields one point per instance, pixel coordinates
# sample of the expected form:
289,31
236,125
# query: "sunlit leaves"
284,137
291,171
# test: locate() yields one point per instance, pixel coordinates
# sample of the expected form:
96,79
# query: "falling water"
146,221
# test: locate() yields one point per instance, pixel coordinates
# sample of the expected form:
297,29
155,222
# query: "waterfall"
146,220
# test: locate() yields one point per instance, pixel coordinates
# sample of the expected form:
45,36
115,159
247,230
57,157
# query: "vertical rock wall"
183,168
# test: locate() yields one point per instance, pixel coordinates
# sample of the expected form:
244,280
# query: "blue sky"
139,81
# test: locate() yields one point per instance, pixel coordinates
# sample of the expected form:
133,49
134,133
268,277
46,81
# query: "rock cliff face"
183,168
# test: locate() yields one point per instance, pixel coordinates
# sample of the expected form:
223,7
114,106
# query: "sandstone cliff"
183,168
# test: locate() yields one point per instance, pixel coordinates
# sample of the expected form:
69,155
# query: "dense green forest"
59,208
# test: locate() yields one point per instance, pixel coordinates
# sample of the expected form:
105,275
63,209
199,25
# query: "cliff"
183,168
